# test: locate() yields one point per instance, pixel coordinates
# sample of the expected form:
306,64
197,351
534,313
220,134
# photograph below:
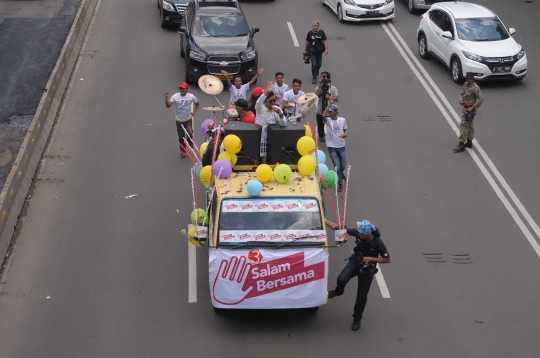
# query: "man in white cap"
369,251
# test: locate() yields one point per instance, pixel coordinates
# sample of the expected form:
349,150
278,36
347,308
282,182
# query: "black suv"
215,38
171,12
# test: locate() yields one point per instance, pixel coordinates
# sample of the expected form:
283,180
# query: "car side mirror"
511,31
447,35
254,30
182,30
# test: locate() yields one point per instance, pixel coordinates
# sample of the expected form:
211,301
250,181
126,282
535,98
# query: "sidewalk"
31,37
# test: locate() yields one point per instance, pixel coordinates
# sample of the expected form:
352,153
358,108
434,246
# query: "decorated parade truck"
262,223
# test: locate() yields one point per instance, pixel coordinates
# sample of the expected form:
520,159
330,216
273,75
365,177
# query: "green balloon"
331,179
282,173
202,214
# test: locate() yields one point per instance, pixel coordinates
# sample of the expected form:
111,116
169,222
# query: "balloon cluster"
226,160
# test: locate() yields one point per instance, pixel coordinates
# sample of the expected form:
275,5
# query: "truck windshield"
270,220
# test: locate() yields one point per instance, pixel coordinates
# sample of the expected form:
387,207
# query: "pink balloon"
222,165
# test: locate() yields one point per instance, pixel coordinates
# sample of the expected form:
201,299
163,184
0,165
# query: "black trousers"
184,132
320,126
364,284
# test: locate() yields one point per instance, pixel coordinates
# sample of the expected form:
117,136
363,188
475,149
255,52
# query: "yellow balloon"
305,145
308,130
232,144
229,157
205,175
191,237
203,148
306,165
264,173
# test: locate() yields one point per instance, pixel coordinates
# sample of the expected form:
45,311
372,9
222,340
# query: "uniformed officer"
470,98
362,263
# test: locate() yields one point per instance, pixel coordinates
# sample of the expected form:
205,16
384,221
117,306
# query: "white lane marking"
380,279
477,160
192,271
293,35
483,154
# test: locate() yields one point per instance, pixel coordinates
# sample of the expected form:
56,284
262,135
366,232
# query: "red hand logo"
230,278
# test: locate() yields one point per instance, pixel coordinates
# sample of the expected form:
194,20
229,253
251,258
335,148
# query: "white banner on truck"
268,279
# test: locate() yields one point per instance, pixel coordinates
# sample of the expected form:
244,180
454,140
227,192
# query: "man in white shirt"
268,113
237,89
325,90
280,88
336,132
289,98
184,116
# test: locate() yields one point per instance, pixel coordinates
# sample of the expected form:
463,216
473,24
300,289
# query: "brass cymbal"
210,84
309,104
214,108
306,98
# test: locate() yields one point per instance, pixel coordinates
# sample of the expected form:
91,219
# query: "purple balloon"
222,165
204,127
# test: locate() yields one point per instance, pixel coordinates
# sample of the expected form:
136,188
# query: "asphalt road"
97,275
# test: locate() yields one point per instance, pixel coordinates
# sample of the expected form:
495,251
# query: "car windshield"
481,29
270,220
222,25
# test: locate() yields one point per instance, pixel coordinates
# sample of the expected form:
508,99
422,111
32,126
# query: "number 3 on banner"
255,256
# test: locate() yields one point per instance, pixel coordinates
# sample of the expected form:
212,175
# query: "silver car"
414,5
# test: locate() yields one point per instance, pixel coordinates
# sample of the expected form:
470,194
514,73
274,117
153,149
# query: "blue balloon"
322,168
322,156
254,187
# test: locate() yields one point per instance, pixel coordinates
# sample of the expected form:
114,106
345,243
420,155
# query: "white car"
471,38
362,10
414,5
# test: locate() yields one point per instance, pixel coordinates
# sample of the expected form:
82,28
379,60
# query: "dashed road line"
293,35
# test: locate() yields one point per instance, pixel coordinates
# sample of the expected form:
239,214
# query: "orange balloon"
249,118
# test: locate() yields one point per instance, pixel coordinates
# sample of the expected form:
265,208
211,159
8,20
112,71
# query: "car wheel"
457,73
161,20
182,52
340,13
423,47
410,6
158,4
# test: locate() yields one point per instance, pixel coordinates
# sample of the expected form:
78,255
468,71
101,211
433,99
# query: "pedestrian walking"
470,98
336,132
184,115
237,89
324,91
316,45
369,251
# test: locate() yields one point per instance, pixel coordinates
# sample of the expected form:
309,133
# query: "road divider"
24,168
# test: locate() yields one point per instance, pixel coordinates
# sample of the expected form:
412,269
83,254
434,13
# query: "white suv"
362,10
471,38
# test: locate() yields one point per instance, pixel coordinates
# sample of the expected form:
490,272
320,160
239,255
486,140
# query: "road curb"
24,168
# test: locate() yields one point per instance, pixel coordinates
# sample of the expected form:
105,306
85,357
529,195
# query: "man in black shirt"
362,263
316,45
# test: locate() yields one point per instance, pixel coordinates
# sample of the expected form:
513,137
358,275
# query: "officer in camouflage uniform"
470,98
